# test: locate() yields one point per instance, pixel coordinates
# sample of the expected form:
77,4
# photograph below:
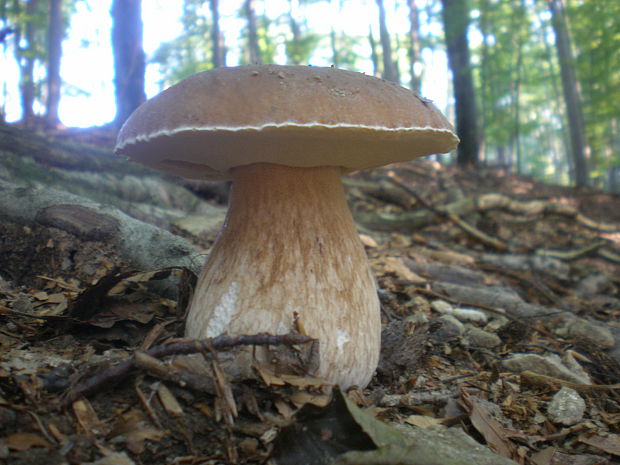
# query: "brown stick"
115,373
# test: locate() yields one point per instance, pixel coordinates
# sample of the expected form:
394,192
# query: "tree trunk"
26,61
373,53
389,68
415,54
217,41
129,61
54,54
293,57
253,48
456,20
334,47
572,97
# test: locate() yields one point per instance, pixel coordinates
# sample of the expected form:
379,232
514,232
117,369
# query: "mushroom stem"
289,257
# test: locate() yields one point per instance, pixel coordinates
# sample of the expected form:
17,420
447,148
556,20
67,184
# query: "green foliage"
595,28
301,50
519,87
191,51
348,57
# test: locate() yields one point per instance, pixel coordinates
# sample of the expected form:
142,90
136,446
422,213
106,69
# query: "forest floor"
501,311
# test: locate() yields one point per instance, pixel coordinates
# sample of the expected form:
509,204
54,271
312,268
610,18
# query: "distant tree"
56,30
374,56
302,43
254,54
129,60
455,14
572,97
27,58
415,47
190,52
593,28
389,67
217,38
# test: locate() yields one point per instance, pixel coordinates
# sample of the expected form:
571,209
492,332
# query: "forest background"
534,88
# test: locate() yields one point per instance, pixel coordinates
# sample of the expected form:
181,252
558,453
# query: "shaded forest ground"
501,300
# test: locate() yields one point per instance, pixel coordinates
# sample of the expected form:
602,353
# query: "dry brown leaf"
24,441
134,428
490,428
284,409
170,403
609,444
302,398
397,266
87,417
116,458
423,421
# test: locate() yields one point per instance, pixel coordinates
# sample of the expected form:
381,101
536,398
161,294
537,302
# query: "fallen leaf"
422,421
24,441
170,403
490,428
609,444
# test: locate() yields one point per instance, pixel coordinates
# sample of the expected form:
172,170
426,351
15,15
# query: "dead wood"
49,232
113,374
427,214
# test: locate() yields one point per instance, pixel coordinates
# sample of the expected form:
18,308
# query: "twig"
537,379
116,372
457,220
158,369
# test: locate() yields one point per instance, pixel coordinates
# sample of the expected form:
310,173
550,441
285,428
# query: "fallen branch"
537,379
456,219
115,373
409,221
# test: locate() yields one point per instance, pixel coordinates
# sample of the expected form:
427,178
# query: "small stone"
567,407
549,365
450,328
585,330
441,306
476,337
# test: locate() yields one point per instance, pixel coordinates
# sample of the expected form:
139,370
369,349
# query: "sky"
87,67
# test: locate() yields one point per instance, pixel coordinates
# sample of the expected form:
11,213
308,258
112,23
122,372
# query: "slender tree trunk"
217,41
253,48
129,61
334,46
415,48
54,54
572,97
456,20
389,69
26,61
373,53
294,58
336,6
563,145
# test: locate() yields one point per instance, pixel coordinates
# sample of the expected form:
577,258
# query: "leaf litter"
467,282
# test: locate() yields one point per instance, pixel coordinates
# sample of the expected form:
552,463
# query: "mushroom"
288,256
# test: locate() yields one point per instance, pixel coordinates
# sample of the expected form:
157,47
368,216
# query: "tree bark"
54,54
129,60
26,61
253,48
389,68
219,58
456,21
373,53
294,57
572,97
415,54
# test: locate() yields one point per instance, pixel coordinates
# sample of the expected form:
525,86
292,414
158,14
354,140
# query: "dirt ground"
448,356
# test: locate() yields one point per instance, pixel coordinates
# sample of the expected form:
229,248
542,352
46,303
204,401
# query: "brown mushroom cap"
300,116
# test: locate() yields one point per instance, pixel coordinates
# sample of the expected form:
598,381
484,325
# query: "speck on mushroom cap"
301,116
